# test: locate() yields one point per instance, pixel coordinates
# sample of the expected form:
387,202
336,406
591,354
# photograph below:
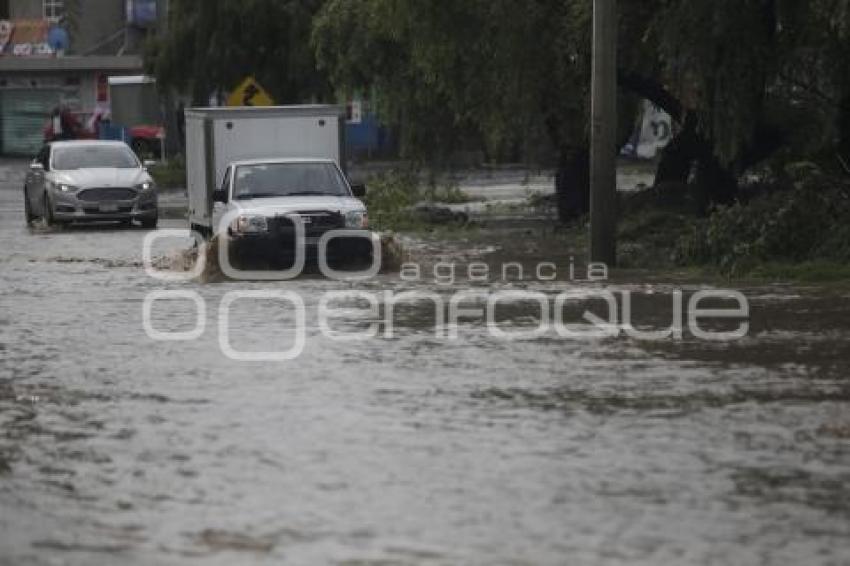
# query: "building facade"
61,53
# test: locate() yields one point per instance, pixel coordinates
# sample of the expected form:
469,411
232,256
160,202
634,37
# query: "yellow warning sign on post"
249,93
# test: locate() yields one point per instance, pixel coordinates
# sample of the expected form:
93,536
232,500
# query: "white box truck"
218,138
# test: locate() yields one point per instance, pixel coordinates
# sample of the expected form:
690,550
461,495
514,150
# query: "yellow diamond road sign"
249,93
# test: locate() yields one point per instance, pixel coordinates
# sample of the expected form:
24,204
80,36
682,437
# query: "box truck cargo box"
216,137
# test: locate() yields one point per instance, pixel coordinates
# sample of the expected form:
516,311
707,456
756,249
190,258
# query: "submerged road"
119,449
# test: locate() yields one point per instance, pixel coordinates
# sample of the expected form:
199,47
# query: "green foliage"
504,75
453,73
810,221
736,62
389,199
818,271
498,72
392,196
647,238
170,174
212,46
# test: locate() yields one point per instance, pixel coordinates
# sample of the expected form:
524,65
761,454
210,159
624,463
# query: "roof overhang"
123,63
132,80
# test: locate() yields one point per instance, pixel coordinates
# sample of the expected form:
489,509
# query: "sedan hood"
90,178
282,205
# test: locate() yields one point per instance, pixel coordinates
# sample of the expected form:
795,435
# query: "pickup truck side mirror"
36,166
220,196
358,190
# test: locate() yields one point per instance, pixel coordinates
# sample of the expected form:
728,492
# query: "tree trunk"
201,92
172,116
679,155
572,184
844,130
714,183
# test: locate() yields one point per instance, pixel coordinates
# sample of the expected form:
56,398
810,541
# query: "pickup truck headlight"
356,219
250,224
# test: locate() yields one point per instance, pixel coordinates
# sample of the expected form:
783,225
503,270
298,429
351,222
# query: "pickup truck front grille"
106,194
315,222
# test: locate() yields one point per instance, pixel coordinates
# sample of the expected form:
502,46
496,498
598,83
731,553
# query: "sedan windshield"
94,157
288,179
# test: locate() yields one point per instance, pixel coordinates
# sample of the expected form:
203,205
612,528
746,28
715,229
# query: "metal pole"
603,144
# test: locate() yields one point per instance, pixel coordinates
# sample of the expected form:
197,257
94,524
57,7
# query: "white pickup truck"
260,167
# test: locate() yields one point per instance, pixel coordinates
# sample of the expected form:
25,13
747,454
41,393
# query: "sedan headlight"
64,187
250,224
146,186
356,219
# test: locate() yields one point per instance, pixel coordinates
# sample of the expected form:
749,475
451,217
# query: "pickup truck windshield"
288,179
94,157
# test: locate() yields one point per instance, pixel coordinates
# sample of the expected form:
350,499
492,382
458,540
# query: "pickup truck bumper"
277,250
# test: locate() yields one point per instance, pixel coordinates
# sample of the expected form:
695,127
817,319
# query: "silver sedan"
74,181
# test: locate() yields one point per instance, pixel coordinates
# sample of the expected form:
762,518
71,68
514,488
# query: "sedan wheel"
48,212
28,209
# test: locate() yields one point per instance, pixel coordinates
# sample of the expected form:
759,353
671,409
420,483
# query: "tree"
492,71
731,72
212,46
744,79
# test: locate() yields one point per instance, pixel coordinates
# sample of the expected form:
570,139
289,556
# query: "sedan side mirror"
358,190
220,196
148,163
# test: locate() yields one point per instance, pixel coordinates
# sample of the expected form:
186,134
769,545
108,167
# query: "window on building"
4,9
53,10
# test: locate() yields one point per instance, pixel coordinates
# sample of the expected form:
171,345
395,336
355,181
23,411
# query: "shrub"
171,173
806,222
389,199
392,196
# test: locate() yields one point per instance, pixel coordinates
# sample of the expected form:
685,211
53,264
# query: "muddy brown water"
410,449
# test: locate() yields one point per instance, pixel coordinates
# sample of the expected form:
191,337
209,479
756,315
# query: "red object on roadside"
73,125
147,132
69,127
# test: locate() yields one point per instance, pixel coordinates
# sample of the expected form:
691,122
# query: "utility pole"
603,144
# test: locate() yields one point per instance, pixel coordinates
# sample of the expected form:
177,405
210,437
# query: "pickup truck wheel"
30,217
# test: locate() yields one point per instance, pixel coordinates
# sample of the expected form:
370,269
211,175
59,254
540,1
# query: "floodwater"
405,449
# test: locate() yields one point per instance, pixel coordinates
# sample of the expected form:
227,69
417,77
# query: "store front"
23,113
31,89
